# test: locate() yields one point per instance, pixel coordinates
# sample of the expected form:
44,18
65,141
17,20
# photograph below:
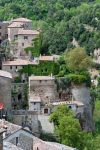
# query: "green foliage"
59,20
34,52
17,79
25,90
77,59
68,131
35,49
77,78
43,68
48,137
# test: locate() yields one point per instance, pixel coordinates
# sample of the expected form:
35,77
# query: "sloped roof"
43,145
16,25
28,32
21,20
10,146
78,103
10,127
19,62
46,58
41,78
5,74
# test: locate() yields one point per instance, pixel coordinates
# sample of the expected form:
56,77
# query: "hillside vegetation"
60,20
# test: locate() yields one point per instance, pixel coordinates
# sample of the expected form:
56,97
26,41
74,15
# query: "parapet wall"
27,119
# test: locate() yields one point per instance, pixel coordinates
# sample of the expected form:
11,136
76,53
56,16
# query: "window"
70,107
15,37
16,67
25,37
40,81
0,33
11,67
34,103
23,81
16,141
22,44
0,27
46,69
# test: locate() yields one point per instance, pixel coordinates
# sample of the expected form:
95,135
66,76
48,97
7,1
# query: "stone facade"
5,89
1,138
12,69
22,138
16,25
3,31
9,146
27,119
43,87
19,90
20,36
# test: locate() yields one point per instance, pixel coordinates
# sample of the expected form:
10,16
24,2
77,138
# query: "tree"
77,59
68,130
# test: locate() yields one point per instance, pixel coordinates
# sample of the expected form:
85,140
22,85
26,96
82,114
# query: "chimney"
1,138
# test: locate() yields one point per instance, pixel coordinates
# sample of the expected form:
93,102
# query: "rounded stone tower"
5,89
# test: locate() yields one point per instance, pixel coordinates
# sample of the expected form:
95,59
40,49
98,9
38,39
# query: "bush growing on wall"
34,52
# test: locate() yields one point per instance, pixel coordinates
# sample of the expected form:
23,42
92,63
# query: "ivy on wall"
34,52
44,68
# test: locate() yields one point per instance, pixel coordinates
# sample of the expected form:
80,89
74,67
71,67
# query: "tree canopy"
77,59
60,21
68,130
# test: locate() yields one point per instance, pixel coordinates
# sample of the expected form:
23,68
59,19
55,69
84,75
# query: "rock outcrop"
82,93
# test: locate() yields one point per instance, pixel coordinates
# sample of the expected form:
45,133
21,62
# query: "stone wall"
24,140
5,91
82,93
12,69
19,90
26,119
46,90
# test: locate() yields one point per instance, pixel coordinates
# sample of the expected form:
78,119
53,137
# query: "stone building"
10,146
27,119
17,138
3,31
21,35
39,144
42,91
17,24
17,135
5,89
14,66
76,106
1,138
19,95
